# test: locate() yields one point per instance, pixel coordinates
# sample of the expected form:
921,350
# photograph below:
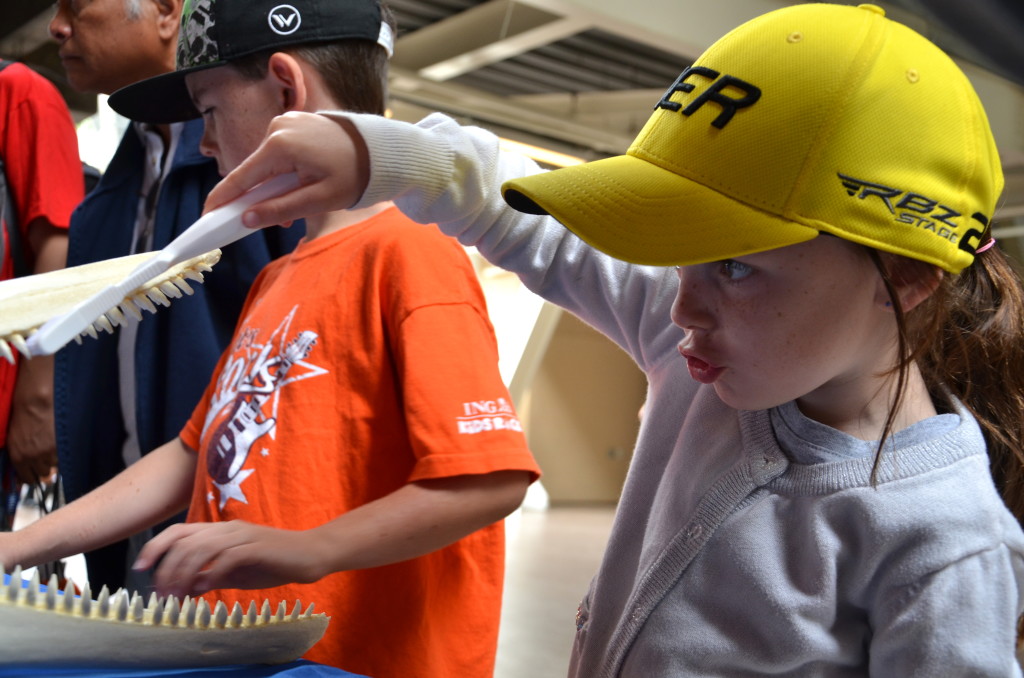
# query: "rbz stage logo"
919,211
715,93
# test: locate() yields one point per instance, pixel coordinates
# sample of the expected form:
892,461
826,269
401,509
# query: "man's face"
102,48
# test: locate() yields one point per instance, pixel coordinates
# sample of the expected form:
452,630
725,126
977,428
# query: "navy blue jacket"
177,348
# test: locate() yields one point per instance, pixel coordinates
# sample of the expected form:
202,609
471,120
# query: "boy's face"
236,112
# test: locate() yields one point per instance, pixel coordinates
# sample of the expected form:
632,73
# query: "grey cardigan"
745,543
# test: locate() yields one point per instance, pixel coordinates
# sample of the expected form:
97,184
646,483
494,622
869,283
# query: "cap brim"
638,212
159,100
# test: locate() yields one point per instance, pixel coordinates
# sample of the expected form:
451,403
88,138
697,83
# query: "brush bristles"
159,293
128,608
47,627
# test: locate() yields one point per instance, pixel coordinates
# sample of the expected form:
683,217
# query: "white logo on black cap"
284,19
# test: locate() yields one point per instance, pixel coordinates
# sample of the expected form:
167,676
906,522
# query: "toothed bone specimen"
27,302
55,628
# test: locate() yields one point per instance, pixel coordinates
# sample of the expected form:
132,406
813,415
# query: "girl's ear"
286,74
914,281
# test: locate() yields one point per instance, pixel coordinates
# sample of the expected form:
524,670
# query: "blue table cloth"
299,668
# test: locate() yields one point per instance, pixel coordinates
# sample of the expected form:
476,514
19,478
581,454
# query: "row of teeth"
168,612
132,306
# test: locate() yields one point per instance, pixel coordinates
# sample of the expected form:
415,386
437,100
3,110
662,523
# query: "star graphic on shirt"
233,488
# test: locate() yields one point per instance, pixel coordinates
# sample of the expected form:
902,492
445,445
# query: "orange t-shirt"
365,360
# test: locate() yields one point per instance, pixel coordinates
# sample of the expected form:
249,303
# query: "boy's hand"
194,558
328,155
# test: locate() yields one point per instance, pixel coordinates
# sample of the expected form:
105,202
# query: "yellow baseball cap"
813,118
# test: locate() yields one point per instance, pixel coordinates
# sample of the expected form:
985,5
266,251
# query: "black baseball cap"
215,32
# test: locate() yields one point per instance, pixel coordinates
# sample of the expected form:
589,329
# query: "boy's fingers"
149,556
155,551
178,571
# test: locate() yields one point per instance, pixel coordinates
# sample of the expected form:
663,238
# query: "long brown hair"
967,339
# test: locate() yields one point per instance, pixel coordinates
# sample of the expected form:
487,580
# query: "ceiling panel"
581,76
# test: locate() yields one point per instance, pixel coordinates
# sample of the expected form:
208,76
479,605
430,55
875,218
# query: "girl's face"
808,322
236,112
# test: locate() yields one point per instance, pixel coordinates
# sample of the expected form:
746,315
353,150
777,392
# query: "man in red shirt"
44,179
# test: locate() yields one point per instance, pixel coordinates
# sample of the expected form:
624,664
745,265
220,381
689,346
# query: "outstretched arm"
414,520
151,490
436,171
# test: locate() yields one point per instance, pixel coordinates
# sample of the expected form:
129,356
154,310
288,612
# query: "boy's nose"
207,146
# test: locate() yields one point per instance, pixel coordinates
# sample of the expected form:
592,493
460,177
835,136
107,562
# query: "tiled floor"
552,555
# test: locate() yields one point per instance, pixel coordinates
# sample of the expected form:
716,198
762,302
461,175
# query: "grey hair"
133,8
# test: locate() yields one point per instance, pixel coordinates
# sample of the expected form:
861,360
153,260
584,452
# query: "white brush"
26,303
218,228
